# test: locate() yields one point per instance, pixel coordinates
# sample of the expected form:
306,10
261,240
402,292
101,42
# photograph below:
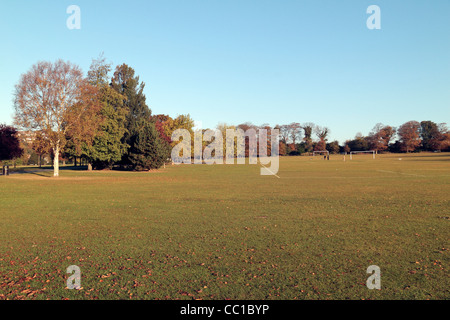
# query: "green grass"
226,232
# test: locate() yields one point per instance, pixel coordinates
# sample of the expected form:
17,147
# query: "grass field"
226,232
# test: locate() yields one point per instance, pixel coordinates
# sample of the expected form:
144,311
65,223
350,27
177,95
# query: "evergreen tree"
429,132
147,149
127,84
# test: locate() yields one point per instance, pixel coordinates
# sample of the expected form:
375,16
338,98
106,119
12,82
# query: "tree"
360,143
301,147
321,145
108,146
246,126
87,112
432,135
183,121
33,159
282,148
380,137
409,134
268,143
41,146
147,149
346,147
168,125
128,85
161,122
223,127
333,147
308,129
444,137
295,132
9,143
284,133
98,73
322,134
395,147
45,99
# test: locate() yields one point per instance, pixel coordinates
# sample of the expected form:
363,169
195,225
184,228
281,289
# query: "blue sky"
262,61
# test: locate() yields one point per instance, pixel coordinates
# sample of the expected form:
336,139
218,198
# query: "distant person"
328,157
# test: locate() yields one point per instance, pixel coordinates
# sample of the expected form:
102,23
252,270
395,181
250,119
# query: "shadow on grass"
73,168
46,172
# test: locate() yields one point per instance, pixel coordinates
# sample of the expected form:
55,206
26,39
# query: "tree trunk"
75,161
56,161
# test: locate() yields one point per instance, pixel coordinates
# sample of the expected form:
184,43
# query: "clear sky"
263,61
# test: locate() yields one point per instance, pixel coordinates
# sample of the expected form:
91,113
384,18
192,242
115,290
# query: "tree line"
296,138
103,120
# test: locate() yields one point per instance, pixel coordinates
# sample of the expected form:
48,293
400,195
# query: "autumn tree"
346,147
322,134
161,122
380,136
409,134
108,146
9,143
246,126
284,133
41,145
46,99
308,129
295,132
268,141
445,136
87,112
183,121
282,148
